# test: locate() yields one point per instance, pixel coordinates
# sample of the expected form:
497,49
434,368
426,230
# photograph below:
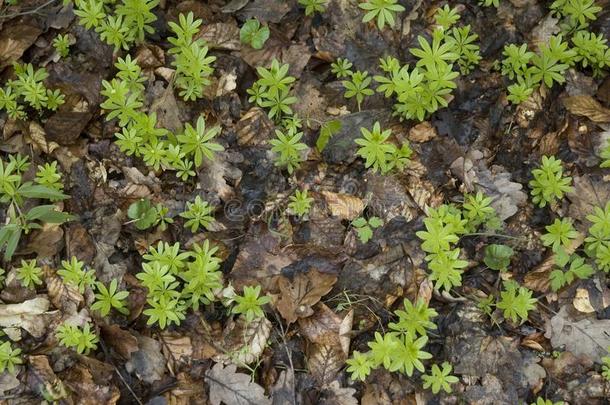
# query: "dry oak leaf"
587,106
344,206
229,387
298,295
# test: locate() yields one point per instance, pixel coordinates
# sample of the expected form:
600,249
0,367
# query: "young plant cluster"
401,348
443,227
28,90
119,24
379,152
528,70
426,87
141,137
21,196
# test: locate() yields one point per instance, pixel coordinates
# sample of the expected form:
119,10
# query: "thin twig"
33,11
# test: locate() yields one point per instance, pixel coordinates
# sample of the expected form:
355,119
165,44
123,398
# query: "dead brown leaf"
254,128
38,138
221,36
87,388
539,278
42,379
63,296
14,40
47,241
589,192
587,106
177,349
422,132
324,362
297,296
187,392
123,342
229,387
343,206
325,326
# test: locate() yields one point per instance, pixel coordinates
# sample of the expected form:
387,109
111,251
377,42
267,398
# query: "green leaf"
254,34
30,190
327,130
143,213
497,257
48,213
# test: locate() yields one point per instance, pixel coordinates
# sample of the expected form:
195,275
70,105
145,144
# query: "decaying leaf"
343,206
38,137
327,327
582,302
283,391
28,315
324,361
422,132
582,336
91,385
244,341
123,342
334,394
63,296
495,182
230,387
587,106
177,349
221,36
298,295
589,192
42,379
14,40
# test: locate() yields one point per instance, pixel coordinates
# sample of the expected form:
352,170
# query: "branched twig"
33,11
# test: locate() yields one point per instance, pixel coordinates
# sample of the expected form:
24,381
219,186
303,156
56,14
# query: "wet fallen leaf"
297,296
589,192
148,362
188,391
587,106
229,387
325,327
283,391
495,182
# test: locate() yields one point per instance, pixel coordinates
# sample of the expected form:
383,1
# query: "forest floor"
329,288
